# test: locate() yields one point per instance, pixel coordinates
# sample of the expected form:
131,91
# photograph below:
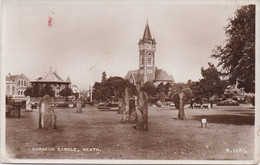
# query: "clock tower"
146,56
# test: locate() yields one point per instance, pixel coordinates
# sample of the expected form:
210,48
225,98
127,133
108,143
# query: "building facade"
147,71
51,81
16,84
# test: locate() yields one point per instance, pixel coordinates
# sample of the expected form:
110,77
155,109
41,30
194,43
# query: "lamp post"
91,98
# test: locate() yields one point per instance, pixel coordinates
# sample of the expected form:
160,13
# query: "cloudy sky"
104,36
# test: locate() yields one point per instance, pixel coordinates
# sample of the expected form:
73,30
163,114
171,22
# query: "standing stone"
47,117
132,111
181,114
79,106
125,109
28,107
142,111
120,105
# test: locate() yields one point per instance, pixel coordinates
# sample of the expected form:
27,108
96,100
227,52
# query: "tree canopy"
113,86
237,55
149,88
66,91
211,83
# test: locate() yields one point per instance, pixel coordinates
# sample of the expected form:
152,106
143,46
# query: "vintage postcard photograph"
120,81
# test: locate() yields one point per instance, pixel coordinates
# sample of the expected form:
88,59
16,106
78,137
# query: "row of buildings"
17,84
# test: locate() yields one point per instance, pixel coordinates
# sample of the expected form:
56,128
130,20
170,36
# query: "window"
149,61
142,59
149,71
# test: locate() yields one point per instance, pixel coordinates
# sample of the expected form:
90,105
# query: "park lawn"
99,135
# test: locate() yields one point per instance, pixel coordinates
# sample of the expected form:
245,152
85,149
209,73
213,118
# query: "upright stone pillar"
47,117
181,109
132,111
142,111
28,106
125,116
79,106
120,105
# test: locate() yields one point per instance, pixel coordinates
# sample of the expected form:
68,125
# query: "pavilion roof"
51,77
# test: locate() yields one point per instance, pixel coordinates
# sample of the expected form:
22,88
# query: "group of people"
193,104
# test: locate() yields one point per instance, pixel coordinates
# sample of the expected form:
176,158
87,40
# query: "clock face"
147,46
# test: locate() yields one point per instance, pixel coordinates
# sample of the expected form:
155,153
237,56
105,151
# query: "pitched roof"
68,79
134,74
11,78
52,76
161,75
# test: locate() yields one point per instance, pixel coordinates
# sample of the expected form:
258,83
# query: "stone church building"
147,71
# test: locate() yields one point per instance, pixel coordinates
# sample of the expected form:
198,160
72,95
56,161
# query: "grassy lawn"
96,134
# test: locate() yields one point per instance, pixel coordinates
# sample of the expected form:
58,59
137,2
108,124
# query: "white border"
256,160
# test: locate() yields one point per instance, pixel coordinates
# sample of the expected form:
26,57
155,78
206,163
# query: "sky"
89,37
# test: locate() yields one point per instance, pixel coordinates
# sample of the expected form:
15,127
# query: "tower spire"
147,34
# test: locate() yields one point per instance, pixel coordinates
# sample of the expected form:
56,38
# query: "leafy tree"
237,55
98,92
66,92
196,89
176,87
160,88
211,83
28,91
149,88
113,86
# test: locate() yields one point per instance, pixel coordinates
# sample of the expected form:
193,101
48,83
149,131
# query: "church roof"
161,75
132,73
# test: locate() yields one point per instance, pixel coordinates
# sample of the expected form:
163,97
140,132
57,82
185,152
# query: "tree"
115,86
237,56
28,91
66,92
149,88
176,87
112,87
196,89
211,83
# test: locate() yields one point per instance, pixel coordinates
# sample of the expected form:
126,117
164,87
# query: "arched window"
149,60
19,93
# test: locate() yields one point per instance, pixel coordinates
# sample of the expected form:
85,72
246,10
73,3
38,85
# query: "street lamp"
90,69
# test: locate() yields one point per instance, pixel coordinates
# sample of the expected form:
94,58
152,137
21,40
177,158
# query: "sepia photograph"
130,82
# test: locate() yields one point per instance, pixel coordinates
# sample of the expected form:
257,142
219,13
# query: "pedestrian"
191,103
